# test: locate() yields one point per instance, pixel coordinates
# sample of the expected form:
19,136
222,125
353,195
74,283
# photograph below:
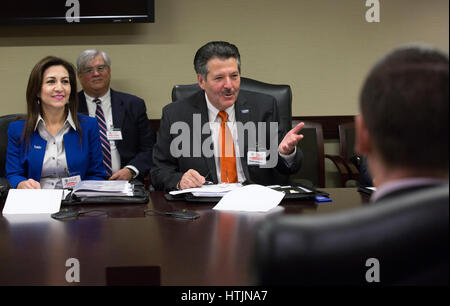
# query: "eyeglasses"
99,69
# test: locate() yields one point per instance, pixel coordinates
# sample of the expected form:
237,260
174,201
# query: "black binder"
365,189
140,196
297,193
290,193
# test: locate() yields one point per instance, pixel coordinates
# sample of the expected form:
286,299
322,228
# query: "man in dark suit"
222,134
403,126
124,116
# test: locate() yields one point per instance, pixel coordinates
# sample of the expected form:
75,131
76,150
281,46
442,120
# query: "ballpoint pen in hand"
206,181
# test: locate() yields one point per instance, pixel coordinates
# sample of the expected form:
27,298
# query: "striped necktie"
228,171
103,138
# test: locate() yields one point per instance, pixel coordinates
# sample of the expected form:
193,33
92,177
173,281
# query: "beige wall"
322,48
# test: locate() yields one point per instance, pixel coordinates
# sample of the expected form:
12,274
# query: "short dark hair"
404,103
215,49
34,107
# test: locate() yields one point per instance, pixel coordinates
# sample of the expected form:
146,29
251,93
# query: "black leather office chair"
347,162
4,123
312,171
408,235
281,93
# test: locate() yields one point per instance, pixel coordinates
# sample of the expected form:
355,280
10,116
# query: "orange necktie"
228,173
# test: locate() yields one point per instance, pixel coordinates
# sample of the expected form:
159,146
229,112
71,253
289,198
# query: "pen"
206,181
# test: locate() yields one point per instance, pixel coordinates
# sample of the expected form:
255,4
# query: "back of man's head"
404,103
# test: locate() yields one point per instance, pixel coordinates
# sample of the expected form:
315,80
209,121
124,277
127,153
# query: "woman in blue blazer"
53,142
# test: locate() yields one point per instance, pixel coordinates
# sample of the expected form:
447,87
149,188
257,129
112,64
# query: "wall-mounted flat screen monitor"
22,12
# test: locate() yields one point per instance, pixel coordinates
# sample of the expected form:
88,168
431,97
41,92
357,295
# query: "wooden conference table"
127,245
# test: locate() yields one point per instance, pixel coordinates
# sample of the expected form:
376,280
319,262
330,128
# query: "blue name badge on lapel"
244,111
37,147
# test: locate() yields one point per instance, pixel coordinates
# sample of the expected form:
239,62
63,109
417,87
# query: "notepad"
33,201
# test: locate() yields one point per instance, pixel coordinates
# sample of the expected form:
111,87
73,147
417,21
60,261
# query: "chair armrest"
4,187
341,165
354,172
147,181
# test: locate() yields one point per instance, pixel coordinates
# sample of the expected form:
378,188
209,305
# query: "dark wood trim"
154,123
343,139
329,124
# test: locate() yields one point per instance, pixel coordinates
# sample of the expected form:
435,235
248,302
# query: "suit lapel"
82,106
243,115
210,161
73,150
118,110
37,151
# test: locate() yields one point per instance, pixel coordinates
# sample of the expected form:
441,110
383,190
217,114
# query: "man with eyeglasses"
125,132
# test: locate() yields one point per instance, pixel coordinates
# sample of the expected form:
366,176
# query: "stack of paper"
91,188
252,198
216,190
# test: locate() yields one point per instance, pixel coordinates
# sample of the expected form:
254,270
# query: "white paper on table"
93,188
33,201
255,198
66,192
209,190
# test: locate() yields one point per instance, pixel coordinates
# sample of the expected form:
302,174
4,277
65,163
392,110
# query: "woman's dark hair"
34,107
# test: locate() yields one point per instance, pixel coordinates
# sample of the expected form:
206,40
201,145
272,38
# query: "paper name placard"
32,201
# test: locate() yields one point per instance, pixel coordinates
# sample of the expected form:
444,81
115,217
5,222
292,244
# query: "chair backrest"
313,166
4,123
281,93
347,140
407,236
360,173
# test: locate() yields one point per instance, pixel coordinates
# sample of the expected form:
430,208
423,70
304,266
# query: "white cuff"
135,170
